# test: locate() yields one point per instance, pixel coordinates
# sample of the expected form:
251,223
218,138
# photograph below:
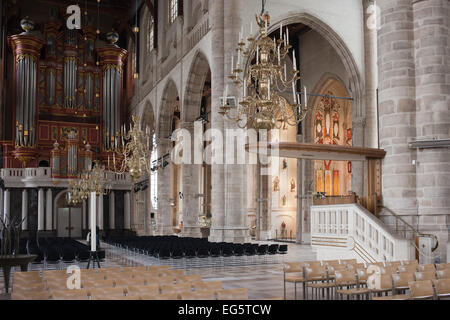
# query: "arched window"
151,34
173,10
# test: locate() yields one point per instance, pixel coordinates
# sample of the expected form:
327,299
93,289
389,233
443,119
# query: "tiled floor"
262,276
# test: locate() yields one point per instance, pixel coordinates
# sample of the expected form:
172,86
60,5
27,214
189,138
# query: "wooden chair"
401,281
192,278
317,279
420,276
361,277
348,261
233,294
43,295
408,268
348,279
169,296
427,268
330,263
442,287
355,266
295,275
443,274
393,264
175,288
442,266
421,290
143,290
69,294
386,285
173,273
199,295
312,264
333,268
208,286
389,270
413,262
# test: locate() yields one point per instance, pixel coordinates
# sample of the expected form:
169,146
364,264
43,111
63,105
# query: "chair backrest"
442,266
402,280
362,274
330,262
442,286
208,286
406,262
349,261
179,287
332,269
191,278
393,264
431,275
345,277
427,268
421,289
169,296
200,295
143,290
389,270
315,273
233,294
290,267
409,268
312,264
443,274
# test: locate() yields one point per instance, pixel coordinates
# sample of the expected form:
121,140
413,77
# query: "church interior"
224,149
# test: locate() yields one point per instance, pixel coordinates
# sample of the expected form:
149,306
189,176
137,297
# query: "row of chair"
327,276
166,247
147,283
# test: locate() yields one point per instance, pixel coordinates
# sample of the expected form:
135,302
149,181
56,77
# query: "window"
151,34
173,10
154,177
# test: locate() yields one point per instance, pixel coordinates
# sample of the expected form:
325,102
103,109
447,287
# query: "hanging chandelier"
90,181
135,151
261,81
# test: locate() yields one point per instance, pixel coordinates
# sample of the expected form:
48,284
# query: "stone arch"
356,82
56,207
194,87
148,116
167,108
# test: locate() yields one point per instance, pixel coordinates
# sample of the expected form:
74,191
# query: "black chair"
283,249
273,249
238,250
203,252
177,253
164,253
262,249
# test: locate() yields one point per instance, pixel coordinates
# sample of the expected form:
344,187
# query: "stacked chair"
128,283
340,279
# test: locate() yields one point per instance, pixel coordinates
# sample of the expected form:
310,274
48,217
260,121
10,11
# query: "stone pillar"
6,205
190,179
397,105
359,172
112,211
83,212
100,212
228,181
25,209
49,211
41,212
127,211
370,58
300,183
432,60
164,216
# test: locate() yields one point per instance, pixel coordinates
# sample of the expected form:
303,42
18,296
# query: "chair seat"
321,285
394,297
353,291
295,279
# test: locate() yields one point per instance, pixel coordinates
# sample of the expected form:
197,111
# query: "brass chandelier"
89,181
261,106
135,151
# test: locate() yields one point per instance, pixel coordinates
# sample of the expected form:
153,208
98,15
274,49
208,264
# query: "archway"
168,174
197,178
69,219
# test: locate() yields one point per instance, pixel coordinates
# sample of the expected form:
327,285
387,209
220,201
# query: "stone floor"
262,276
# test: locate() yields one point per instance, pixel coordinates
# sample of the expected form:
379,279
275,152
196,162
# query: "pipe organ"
68,98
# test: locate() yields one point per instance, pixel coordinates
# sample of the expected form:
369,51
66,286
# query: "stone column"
84,209
190,179
49,211
432,60
127,211
100,212
112,211
25,209
370,57
397,105
228,180
6,205
41,212
164,216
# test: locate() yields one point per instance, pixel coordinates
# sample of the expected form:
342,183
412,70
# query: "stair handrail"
415,230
